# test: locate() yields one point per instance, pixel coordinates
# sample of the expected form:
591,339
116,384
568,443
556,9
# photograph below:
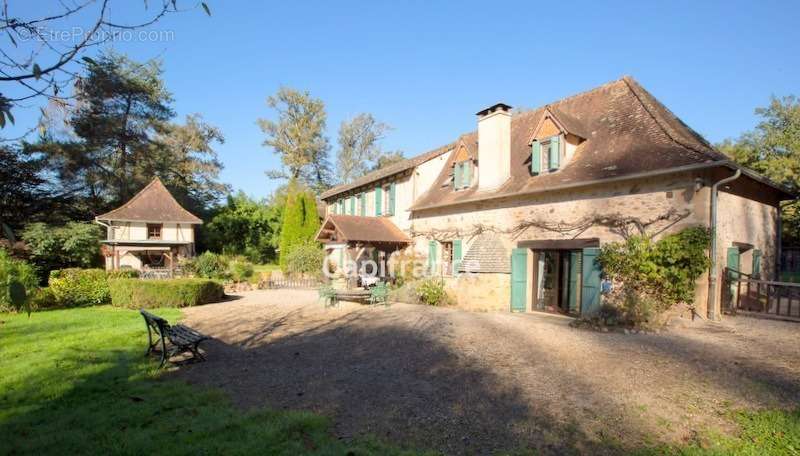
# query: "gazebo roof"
154,203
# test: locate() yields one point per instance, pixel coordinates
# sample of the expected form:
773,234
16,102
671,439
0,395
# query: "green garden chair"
379,294
328,296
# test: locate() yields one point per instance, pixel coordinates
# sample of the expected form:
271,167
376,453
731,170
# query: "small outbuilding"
151,231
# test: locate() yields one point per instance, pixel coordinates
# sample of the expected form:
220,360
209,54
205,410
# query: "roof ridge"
671,132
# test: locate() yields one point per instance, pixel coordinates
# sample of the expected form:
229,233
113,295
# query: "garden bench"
182,338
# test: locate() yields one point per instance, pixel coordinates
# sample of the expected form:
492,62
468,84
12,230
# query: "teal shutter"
536,158
733,262
392,192
757,264
378,200
363,204
572,296
431,257
519,279
457,176
555,152
352,205
456,256
466,177
590,290
341,206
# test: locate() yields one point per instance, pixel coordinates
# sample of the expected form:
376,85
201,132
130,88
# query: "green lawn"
266,268
75,381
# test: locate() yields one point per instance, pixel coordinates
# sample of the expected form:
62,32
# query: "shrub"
209,265
72,245
305,259
240,270
76,287
123,274
42,299
653,276
148,294
432,292
18,280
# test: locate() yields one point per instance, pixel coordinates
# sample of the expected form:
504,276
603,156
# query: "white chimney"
494,146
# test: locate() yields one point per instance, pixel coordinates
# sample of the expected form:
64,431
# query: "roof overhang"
106,220
338,229
144,242
787,193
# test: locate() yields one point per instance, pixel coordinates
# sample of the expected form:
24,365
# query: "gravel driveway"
464,382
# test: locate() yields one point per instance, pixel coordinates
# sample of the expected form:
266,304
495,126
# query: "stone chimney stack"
494,146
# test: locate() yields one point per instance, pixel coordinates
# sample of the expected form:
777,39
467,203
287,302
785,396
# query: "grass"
75,381
266,268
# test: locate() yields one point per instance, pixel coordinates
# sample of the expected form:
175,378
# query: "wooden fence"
744,294
292,282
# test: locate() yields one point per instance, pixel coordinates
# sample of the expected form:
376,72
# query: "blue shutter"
378,200
555,152
756,272
456,256
352,205
363,204
536,158
392,193
574,273
590,291
519,279
466,177
431,257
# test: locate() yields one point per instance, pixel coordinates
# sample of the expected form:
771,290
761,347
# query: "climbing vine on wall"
623,225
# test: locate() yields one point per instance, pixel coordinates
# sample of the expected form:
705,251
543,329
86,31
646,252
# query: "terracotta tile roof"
154,203
627,132
487,254
354,228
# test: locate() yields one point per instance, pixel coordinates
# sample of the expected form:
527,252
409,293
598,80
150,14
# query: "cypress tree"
300,221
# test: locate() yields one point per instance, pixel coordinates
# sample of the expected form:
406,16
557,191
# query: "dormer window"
546,154
462,175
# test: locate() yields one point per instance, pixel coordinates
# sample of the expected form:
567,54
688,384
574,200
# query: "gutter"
712,272
625,177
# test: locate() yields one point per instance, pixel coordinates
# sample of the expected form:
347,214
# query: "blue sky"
425,68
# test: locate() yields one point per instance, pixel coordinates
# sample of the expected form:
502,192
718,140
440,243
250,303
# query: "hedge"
75,287
148,294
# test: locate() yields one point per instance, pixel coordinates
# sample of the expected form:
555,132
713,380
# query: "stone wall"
480,292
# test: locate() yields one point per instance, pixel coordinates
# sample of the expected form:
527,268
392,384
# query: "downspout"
712,272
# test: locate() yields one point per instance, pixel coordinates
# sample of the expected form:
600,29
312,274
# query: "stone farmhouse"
512,215
151,231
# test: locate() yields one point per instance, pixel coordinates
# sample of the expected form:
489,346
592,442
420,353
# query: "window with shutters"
547,155
462,175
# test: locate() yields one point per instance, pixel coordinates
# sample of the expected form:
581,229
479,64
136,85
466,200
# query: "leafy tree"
41,65
359,147
298,136
388,158
773,149
300,221
120,137
56,247
245,226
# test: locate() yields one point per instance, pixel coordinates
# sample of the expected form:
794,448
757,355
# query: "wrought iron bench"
182,338
379,294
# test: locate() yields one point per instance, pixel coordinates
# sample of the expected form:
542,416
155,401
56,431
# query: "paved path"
459,381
